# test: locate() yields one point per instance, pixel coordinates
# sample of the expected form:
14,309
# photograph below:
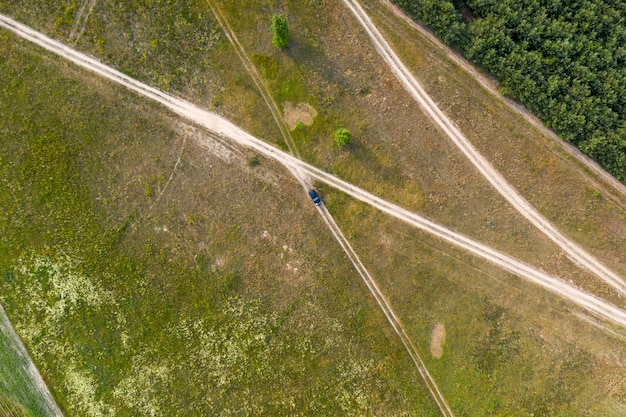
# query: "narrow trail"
386,309
256,77
576,253
226,130
169,179
80,21
328,218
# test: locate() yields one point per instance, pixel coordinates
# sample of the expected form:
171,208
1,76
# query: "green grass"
510,347
184,300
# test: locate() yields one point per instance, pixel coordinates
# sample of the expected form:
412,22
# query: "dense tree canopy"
565,60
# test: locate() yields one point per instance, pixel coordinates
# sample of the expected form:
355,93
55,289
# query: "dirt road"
577,254
386,309
304,181
225,129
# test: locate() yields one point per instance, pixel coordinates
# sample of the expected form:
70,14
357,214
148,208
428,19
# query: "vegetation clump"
254,161
280,29
342,137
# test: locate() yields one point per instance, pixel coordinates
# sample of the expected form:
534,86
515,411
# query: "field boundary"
31,370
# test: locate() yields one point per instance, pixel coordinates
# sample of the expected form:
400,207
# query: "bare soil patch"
299,113
437,339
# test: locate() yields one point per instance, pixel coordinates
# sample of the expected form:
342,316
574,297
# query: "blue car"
316,198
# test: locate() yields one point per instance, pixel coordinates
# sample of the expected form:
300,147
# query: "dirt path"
81,20
225,129
382,302
256,77
414,88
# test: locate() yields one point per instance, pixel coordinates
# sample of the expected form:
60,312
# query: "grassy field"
158,249
510,349
397,152
400,155
217,292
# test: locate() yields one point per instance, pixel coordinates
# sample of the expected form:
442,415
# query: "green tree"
280,30
342,137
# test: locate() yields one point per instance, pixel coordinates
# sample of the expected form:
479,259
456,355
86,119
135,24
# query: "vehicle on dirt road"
315,197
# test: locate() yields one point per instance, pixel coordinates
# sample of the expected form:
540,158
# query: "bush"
254,161
343,137
281,31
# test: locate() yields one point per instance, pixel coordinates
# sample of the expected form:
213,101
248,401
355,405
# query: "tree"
342,137
280,30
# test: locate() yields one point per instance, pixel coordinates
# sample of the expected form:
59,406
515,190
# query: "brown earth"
437,339
300,113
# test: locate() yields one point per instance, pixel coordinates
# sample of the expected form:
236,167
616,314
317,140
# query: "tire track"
80,21
382,302
574,252
45,399
225,129
330,221
258,80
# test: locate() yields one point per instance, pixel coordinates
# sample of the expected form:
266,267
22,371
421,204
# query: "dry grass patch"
299,113
437,339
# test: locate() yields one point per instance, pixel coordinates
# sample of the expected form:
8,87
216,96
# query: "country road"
382,302
32,382
576,253
225,129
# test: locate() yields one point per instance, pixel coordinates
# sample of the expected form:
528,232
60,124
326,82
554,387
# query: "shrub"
342,137
254,161
281,31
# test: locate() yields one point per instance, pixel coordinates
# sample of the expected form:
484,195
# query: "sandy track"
576,253
223,128
254,74
386,308
81,20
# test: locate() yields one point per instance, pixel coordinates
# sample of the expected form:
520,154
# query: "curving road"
225,129
613,189
577,254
